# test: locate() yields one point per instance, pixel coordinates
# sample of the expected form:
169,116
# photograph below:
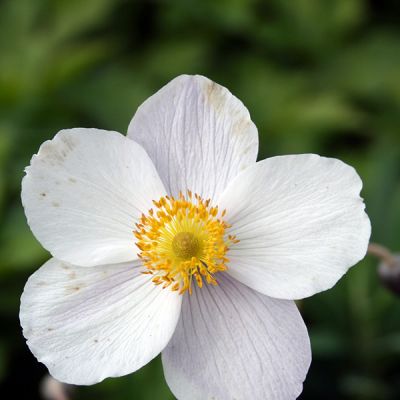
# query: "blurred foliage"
318,76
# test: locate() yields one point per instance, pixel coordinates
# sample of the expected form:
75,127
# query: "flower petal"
197,133
83,192
234,343
87,324
301,224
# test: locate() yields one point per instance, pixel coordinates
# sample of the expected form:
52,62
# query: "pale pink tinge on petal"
235,343
88,324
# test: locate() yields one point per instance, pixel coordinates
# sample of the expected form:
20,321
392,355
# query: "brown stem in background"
382,253
52,389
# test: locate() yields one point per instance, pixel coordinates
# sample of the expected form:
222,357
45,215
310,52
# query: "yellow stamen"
183,240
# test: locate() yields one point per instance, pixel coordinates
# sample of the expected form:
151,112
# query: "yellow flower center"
185,245
182,240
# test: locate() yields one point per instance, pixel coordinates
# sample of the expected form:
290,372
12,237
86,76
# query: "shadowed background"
319,76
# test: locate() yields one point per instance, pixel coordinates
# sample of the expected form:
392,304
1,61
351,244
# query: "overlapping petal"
300,221
234,343
197,133
83,193
87,324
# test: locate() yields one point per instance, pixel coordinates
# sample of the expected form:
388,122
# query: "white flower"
271,232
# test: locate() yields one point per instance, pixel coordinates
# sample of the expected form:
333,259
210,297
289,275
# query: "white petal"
197,133
301,224
87,324
83,193
234,343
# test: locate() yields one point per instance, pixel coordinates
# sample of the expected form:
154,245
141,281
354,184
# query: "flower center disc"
183,240
185,245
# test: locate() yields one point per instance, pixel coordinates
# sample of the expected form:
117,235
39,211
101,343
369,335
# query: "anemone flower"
175,240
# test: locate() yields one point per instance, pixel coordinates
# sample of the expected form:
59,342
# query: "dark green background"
318,76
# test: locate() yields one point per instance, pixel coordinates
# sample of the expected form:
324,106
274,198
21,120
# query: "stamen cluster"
183,239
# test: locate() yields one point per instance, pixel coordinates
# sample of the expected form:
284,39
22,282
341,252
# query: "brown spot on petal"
75,287
70,142
215,96
47,148
240,126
